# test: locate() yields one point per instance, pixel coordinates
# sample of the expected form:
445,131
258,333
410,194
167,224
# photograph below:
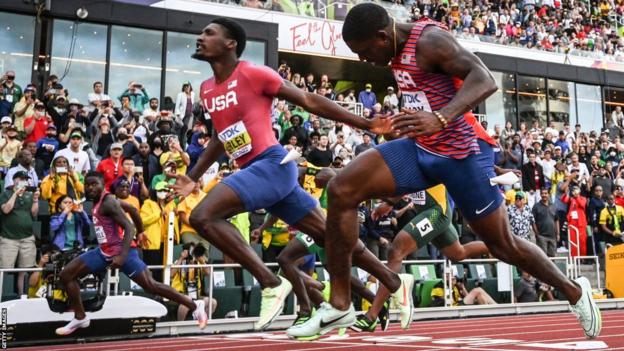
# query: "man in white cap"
391,100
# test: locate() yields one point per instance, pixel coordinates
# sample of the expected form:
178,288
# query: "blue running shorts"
466,180
97,262
265,183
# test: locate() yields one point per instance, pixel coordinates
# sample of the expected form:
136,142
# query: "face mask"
161,195
21,184
368,90
157,145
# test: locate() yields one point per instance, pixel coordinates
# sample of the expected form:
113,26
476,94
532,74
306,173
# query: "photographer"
71,225
528,289
189,281
36,280
19,205
134,177
576,215
460,294
63,180
138,96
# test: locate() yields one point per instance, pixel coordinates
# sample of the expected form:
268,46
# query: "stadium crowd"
49,141
587,28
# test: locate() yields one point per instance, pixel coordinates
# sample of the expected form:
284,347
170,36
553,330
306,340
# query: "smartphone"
31,189
138,169
61,169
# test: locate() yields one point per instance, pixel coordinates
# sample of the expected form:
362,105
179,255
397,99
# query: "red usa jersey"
240,109
430,92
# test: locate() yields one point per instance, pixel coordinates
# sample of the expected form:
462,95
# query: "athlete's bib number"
424,227
307,240
416,100
236,140
420,198
100,235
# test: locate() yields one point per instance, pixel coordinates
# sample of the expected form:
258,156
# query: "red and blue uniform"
240,109
110,240
459,156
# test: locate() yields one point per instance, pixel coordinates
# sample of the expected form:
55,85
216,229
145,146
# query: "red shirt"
41,125
110,170
240,109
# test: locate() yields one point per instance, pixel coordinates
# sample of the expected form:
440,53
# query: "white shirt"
93,97
548,167
78,160
583,171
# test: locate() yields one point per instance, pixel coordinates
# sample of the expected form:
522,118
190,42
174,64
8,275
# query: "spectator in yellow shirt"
155,215
9,147
177,155
612,222
61,181
275,236
121,190
188,233
189,281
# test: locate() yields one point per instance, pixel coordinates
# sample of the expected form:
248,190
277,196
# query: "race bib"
100,235
236,140
420,198
307,240
416,100
424,227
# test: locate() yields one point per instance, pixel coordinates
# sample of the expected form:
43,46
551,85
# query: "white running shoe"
403,299
324,320
200,314
586,310
272,303
73,325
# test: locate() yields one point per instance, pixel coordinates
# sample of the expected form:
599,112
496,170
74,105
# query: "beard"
198,56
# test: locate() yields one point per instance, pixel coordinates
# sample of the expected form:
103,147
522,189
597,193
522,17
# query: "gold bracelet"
441,119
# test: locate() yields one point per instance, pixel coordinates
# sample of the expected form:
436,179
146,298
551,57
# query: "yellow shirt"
309,184
186,206
175,156
19,120
277,235
616,223
155,225
33,291
178,281
134,202
9,151
53,187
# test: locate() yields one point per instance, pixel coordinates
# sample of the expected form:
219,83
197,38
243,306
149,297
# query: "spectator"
136,184
78,158
296,130
137,95
199,141
164,131
129,145
562,143
546,224
35,126
5,106
11,91
461,295
187,233
520,217
155,216
62,181
367,97
548,168
339,127
594,210
110,167
321,156
24,164
391,101
177,155
103,137
381,234
36,287
121,190
148,162
532,178
9,147
23,108
529,290
97,96
611,221
577,205
365,145
309,83
190,281
17,242
167,176
602,178
70,226
47,147
184,109
151,112
274,236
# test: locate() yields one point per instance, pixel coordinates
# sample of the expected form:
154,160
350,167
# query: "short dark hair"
93,174
234,31
363,21
153,99
98,82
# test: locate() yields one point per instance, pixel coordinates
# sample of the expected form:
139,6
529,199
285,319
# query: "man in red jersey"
239,99
441,147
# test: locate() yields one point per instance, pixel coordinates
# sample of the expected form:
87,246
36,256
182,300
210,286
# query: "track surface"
514,333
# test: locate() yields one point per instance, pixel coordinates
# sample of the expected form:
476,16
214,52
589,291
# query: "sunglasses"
10,77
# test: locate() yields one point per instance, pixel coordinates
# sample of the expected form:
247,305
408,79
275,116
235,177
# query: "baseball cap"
368,85
21,174
51,126
75,134
557,147
520,195
161,186
6,119
391,88
116,146
12,127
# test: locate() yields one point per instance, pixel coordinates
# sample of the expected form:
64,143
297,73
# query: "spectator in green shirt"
17,243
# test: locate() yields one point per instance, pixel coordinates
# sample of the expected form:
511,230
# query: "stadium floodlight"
82,13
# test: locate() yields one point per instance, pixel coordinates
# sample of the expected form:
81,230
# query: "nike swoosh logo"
485,208
324,324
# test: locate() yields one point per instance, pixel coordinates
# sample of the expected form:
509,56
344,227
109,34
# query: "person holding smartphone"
138,96
70,226
62,180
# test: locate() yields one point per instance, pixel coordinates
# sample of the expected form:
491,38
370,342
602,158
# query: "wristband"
441,118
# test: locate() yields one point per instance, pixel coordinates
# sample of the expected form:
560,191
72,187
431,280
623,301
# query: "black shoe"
363,324
384,316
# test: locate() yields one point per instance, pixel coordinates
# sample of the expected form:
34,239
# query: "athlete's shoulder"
262,79
250,69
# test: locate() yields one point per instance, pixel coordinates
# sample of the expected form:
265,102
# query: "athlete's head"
94,185
220,37
368,32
